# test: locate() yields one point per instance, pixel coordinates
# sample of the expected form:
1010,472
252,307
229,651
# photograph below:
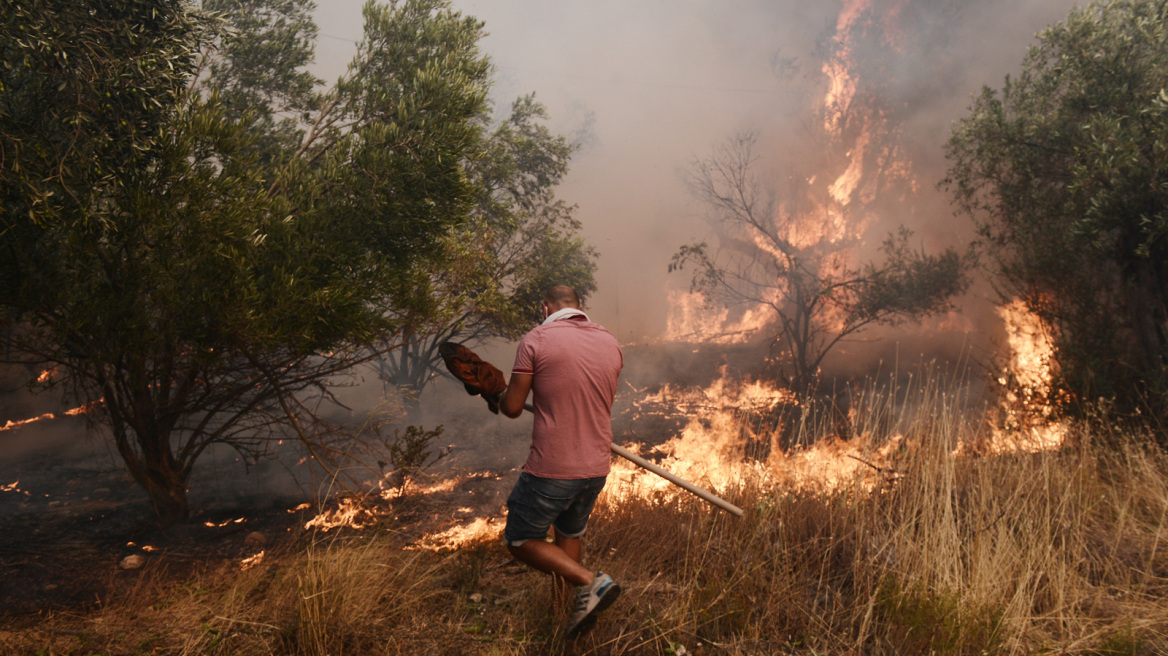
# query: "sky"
654,84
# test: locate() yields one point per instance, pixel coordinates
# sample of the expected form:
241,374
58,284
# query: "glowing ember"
251,561
10,424
225,523
13,487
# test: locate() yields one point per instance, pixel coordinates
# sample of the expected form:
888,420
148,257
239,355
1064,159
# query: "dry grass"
1059,552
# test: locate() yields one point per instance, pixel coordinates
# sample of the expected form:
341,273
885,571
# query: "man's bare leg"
561,558
571,546
561,589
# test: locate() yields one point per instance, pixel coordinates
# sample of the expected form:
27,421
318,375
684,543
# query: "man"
571,365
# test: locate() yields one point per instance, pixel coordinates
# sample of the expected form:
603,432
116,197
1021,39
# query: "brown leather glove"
476,375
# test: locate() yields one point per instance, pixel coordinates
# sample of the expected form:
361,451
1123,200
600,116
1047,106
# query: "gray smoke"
654,84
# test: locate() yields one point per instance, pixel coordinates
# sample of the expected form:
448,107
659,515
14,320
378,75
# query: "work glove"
493,401
478,376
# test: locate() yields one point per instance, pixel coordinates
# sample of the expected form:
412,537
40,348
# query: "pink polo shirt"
575,365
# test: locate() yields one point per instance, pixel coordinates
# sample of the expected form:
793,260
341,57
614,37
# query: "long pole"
668,475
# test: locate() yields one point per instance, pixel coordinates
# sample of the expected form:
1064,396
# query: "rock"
255,539
133,561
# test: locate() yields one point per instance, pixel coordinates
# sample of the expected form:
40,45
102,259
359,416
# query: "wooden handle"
667,475
676,480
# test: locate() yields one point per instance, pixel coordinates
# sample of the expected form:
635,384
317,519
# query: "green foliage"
494,271
1123,641
411,452
909,284
200,267
256,63
1063,170
921,622
84,92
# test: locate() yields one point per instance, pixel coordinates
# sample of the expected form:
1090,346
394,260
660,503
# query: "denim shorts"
537,503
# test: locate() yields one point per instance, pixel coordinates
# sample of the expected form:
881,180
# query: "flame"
693,319
725,418
251,561
835,209
1026,382
83,409
844,187
210,524
479,531
10,424
349,513
841,86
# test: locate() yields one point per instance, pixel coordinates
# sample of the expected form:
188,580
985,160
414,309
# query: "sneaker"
591,599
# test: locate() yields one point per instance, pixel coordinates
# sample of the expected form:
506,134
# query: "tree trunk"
168,496
154,468
1149,319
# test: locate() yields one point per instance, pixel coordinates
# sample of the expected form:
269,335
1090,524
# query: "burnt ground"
61,549
70,523
70,513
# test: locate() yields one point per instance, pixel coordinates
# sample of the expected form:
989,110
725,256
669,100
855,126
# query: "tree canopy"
194,237
1065,171
520,241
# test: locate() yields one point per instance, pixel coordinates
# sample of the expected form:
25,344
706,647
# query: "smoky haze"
649,85
645,86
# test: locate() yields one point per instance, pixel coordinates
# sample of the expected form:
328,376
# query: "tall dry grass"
1059,551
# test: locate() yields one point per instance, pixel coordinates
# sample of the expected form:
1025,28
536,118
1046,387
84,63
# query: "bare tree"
775,257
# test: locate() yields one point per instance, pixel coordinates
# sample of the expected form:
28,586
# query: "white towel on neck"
564,314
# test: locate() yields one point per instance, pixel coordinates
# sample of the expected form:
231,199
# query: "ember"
251,561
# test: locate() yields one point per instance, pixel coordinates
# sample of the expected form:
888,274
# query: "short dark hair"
562,296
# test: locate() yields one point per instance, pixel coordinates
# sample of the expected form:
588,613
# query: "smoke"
645,87
655,84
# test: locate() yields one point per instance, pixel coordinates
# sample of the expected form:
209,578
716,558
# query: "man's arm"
515,395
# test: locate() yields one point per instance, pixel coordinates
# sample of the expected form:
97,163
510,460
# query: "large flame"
1026,380
692,318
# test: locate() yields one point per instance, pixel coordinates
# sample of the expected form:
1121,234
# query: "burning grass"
921,548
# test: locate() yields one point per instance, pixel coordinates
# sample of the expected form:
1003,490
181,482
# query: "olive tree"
190,263
1065,172
520,241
